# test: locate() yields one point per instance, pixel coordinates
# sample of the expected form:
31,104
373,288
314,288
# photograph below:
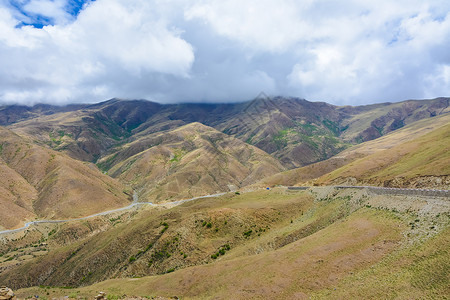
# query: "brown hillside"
405,165
51,185
16,198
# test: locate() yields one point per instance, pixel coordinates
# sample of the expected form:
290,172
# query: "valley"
272,198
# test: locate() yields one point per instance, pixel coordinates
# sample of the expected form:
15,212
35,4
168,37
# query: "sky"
346,52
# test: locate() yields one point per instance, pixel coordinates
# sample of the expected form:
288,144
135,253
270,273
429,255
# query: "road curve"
135,203
375,189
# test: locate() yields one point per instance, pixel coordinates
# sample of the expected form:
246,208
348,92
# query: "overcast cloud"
341,52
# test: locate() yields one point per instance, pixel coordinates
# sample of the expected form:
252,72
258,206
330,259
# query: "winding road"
135,203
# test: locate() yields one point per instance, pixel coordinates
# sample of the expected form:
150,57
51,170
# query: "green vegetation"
280,139
222,250
105,165
332,126
166,226
247,233
308,128
128,165
164,251
177,155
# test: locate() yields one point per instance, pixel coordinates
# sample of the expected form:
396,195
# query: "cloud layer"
346,52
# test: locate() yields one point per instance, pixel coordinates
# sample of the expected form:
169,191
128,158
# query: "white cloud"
258,24
345,52
68,61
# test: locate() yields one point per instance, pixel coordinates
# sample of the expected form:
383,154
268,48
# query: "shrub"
132,258
247,233
165,227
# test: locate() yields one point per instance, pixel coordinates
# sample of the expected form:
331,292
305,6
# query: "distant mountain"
295,131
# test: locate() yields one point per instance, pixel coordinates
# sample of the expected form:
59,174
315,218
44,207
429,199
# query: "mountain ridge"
293,130
319,242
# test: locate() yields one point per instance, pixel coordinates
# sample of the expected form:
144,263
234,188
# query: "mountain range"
67,162
176,151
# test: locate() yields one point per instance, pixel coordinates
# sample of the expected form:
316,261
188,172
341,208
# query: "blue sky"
342,52
39,18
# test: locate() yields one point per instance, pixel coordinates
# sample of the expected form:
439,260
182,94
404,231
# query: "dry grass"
417,272
329,248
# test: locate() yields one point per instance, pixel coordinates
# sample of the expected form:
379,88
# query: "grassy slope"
295,131
380,117
102,254
16,198
297,270
82,134
417,272
428,155
332,247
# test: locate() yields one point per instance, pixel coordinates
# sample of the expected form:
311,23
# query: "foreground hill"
263,244
37,182
191,160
